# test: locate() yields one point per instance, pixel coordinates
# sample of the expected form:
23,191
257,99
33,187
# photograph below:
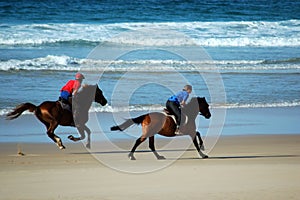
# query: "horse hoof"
202,148
71,137
161,158
204,157
131,157
88,146
62,147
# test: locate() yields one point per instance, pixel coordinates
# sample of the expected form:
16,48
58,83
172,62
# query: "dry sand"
239,167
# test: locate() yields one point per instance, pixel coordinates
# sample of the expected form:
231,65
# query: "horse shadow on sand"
229,157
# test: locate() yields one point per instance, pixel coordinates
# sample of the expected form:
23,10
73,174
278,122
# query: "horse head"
203,107
196,105
99,98
90,93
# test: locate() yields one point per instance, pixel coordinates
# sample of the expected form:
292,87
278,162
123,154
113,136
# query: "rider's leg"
175,109
65,98
70,100
64,95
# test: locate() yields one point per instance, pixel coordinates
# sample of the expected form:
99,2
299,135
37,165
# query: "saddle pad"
184,117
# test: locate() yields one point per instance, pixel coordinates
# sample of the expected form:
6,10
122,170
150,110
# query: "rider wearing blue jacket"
175,102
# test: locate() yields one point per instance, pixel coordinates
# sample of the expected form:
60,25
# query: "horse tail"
128,123
20,109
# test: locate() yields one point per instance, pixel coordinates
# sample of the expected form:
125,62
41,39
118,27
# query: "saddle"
65,105
184,117
167,111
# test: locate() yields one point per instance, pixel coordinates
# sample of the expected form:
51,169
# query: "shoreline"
238,121
126,144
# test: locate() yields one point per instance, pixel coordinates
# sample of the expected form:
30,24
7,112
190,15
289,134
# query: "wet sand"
238,167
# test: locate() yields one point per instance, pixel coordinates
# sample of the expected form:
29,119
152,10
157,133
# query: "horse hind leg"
59,142
55,138
137,143
51,126
152,147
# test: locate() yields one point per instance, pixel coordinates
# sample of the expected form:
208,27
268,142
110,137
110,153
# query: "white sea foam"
55,63
234,33
66,63
259,105
150,108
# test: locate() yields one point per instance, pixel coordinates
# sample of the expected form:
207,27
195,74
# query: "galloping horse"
162,124
51,113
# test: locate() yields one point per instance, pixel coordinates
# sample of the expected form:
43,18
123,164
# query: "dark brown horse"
156,122
51,113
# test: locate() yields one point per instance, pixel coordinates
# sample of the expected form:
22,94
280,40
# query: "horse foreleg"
81,132
137,143
198,148
200,141
88,131
152,147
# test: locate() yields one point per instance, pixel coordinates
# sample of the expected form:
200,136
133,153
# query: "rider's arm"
182,103
185,97
75,92
76,87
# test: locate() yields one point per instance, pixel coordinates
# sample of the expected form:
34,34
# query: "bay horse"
51,113
163,124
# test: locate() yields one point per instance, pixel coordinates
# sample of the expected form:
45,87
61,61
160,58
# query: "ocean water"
254,46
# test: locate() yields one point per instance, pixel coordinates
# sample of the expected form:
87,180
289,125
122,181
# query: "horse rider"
71,88
175,102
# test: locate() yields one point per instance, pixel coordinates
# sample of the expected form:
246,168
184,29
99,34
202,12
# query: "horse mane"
193,99
90,93
86,94
194,103
86,90
198,100
86,87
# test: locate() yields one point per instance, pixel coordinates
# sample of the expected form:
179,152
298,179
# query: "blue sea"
252,46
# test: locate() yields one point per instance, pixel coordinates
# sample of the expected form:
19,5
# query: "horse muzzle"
103,102
206,115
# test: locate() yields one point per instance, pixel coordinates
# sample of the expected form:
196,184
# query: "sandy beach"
242,56
239,167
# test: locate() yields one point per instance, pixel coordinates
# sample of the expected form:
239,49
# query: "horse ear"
200,99
97,87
